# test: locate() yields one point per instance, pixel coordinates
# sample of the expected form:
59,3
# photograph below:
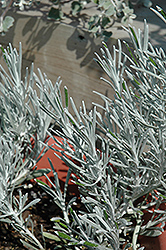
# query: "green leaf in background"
76,7
7,23
105,21
106,35
105,4
110,11
94,29
55,14
93,21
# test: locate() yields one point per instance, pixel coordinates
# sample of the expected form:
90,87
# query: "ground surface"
41,214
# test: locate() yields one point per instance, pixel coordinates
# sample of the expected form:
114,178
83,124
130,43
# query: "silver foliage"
132,139
116,160
22,126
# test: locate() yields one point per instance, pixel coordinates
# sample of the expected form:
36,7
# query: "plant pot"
59,166
156,243
150,243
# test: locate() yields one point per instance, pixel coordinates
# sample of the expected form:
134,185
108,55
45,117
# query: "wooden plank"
60,50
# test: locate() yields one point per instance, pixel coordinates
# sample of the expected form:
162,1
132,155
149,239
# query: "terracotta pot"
59,166
156,243
150,243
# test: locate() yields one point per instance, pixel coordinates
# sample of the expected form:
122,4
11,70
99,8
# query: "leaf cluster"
109,12
118,159
22,126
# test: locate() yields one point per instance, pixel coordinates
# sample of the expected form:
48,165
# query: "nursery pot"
156,243
60,167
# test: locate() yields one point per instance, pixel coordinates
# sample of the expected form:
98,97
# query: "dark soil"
41,213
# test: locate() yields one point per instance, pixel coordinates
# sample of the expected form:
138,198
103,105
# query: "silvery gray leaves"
22,125
132,139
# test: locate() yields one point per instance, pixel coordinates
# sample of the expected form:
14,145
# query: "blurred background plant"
110,11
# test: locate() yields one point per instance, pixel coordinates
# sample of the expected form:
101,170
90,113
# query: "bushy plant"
22,126
98,24
117,160
123,176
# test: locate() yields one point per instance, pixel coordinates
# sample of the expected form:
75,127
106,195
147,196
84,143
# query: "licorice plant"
22,125
117,160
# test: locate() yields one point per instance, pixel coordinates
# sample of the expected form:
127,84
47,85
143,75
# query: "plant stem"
25,232
34,238
65,216
136,231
